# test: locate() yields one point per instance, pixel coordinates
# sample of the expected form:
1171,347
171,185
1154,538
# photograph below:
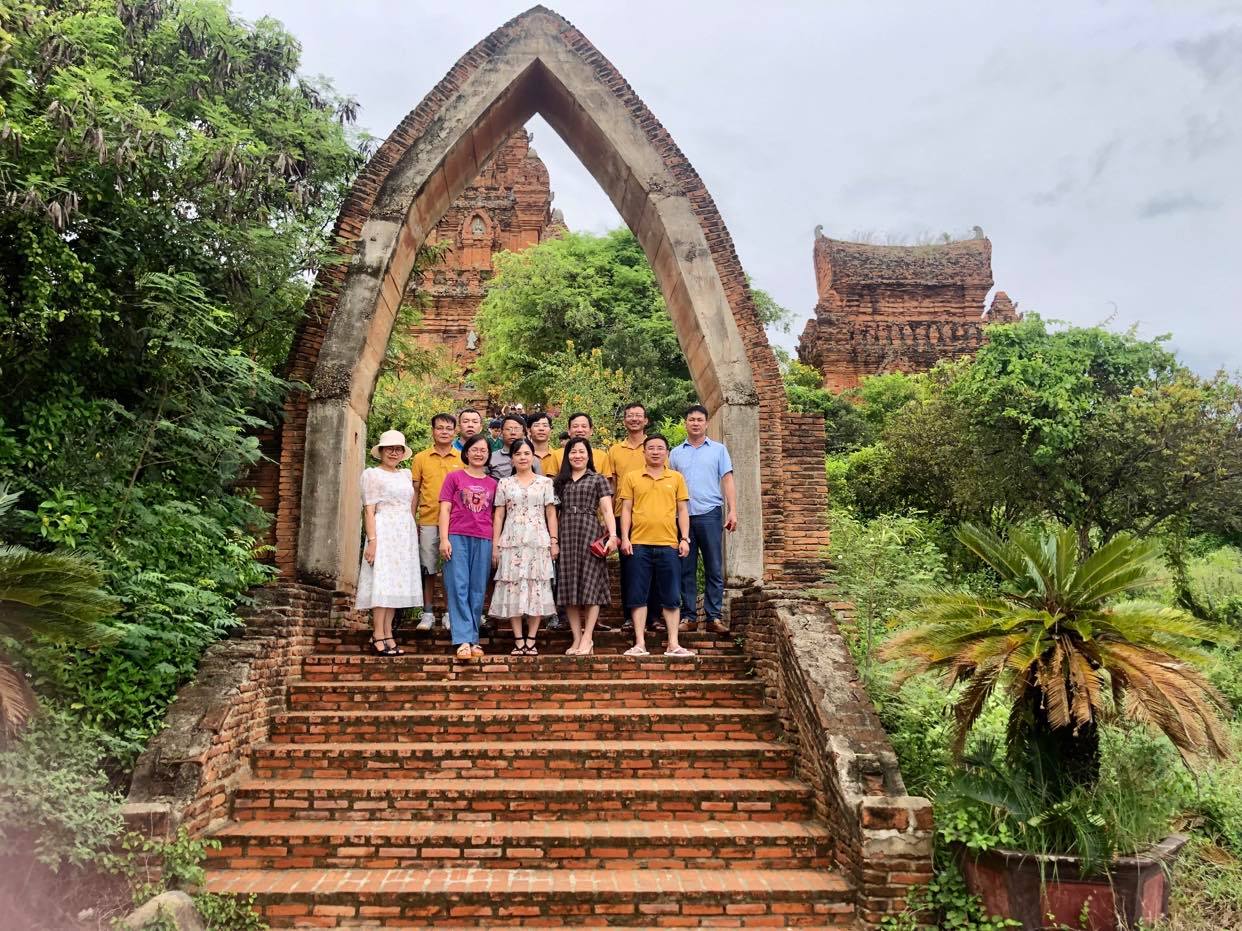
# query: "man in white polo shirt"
708,471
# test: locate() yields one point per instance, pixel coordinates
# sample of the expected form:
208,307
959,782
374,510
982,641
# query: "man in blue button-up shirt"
708,471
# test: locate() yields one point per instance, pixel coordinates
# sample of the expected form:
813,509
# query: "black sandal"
395,649
380,651
530,649
518,649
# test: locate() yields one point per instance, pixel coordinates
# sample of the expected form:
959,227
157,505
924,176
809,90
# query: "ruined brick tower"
507,207
897,308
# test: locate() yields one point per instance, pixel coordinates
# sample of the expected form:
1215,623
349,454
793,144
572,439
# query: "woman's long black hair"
566,470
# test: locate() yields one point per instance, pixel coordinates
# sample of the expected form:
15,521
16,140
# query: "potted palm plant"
1068,654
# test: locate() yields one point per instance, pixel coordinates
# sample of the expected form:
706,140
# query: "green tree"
166,178
1101,431
1068,653
598,292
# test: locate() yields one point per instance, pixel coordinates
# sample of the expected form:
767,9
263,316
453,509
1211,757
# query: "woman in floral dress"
523,547
389,576
582,577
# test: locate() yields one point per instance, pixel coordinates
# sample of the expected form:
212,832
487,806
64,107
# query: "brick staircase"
550,790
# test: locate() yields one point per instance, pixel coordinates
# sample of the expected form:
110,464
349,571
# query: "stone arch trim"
537,62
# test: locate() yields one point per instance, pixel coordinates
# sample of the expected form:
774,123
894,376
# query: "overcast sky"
1099,145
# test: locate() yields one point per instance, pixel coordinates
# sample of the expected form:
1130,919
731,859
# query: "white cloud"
1096,144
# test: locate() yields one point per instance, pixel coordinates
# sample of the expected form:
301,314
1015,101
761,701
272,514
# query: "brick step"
490,800
525,725
482,897
591,845
500,642
345,667
482,759
503,692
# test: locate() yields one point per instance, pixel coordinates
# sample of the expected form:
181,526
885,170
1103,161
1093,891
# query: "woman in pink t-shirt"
466,501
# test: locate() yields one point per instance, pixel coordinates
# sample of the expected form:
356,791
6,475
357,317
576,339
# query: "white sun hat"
392,438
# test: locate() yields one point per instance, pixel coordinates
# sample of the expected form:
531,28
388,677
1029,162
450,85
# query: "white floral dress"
394,581
524,569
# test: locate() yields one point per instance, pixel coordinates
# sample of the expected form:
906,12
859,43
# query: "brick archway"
539,63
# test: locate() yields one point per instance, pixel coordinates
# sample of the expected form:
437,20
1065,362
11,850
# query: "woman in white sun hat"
389,577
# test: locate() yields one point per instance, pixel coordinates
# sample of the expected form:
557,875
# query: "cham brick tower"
898,308
508,207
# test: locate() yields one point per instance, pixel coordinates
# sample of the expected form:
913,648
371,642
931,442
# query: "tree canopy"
166,180
1101,431
599,293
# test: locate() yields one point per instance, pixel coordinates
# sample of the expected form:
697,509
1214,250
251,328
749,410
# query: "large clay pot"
1051,892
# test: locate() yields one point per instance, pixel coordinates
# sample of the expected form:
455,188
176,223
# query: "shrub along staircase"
540,790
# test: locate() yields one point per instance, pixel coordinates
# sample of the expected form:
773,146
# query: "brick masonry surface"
898,308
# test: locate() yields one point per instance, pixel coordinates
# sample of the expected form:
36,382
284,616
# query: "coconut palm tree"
1066,651
56,596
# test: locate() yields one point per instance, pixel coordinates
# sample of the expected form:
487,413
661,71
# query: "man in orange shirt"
428,471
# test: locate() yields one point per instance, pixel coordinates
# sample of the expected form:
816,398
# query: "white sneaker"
445,622
426,622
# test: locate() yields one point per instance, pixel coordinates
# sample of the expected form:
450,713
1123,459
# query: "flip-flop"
636,651
680,651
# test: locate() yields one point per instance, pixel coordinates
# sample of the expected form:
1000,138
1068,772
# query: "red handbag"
599,548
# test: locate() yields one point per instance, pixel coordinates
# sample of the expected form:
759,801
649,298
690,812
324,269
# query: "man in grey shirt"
500,465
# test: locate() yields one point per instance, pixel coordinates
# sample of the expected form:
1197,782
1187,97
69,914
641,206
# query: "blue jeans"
706,538
465,584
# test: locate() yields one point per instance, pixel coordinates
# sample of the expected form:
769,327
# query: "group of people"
533,525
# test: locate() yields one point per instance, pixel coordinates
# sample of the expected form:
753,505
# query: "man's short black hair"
468,410
656,436
516,418
443,418
576,414
698,409
532,419
633,404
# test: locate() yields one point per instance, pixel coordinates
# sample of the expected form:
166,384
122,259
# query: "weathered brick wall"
883,836
897,308
188,771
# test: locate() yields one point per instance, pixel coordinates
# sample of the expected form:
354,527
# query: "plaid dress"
581,579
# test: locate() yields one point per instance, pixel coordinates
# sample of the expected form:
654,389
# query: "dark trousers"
654,608
706,539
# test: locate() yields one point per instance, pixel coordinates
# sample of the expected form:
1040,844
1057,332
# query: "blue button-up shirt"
702,467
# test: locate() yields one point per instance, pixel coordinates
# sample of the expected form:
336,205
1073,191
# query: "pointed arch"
536,63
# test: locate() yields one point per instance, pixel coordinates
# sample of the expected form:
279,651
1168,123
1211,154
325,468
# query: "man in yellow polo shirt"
428,471
624,457
655,530
580,424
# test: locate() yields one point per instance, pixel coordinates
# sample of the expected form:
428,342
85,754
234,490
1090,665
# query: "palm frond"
54,595
994,551
1118,567
17,701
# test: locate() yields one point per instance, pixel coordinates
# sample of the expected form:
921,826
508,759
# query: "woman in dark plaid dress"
582,577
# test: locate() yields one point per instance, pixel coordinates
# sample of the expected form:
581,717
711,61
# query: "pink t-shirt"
470,500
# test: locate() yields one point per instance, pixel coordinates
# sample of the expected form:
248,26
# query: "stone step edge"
466,883
532,684
554,831
533,785
447,748
569,714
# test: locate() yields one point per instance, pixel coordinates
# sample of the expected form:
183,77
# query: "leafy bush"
55,802
949,904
